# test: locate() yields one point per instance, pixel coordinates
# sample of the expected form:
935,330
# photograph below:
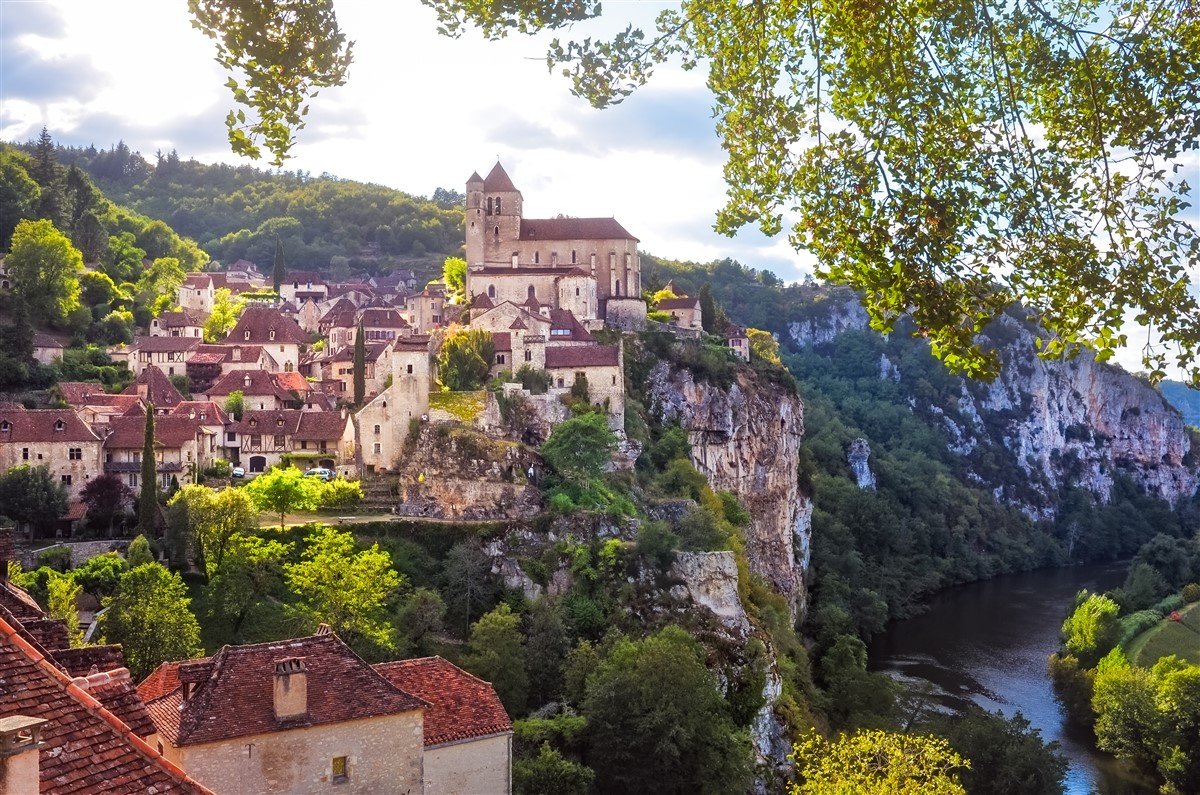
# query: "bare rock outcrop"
745,438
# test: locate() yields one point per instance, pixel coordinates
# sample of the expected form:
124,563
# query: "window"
528,355
133,480
531,292
537,258
573,260
75,453
66,480
499,358
491,291
303,445
410,369
5,426
377,429
231,436
497,205
279,440
247,334
489,210
377,448
24,453
272,335
256,440
59,425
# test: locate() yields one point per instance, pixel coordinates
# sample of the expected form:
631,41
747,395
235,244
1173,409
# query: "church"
589,266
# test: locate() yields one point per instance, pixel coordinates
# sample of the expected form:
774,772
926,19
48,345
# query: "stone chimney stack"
291,688
20,739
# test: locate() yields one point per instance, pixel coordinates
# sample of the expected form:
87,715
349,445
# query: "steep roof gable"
43,426
87,750
235,694
261,326
462,706
497,180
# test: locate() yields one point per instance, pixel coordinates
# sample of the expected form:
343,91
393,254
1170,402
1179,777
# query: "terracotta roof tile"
668,304
285,421
75,393
206,412
250,383
573,229
462,705
564,320
178,319
171,431
502,341
234,696
43,426
259,322
581,356
154,384
321,426
87,750
482,302
497,179
166,344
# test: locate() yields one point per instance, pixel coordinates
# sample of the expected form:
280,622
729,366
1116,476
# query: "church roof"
497,180
573,229
474,177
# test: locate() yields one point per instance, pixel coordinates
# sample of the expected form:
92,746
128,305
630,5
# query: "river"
988,642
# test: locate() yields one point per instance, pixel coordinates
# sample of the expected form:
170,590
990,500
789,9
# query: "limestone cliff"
746,439
1063,423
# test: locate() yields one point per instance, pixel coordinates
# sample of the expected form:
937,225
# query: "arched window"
537,258
489,212
618,291
497,205
531,292
496,233
491,291
573,260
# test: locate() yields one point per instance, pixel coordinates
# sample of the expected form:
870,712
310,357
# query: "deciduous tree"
226,309
877,763
496,654
580,447
657,722
215,519
61,595
150,617
466,359
45,270
282,490
345,588
33,495
454,275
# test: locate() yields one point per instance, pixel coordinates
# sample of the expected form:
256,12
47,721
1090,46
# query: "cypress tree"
360,365
148,502
279,267
708,308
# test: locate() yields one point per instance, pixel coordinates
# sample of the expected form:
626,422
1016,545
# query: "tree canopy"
945,159
149,617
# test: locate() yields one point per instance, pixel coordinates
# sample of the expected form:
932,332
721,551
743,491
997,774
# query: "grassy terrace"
1181,638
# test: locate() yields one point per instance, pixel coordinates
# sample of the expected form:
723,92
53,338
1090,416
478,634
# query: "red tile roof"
668,304
321,426
163,680
87,750
234,694
166,344
573,229
171,431
285,421
482,302
581,356
259,322
75,393
462,706
155,386
43,426
502,341
206,412
497,180
565,320
250,383
382,317
41,340
291,381
177,319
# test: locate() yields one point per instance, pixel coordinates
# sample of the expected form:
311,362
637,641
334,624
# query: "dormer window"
59,425
253,423
247,334
272,334
5,426
279,422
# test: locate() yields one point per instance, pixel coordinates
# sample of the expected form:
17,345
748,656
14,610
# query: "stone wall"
627,314
471,766
81,551
384,757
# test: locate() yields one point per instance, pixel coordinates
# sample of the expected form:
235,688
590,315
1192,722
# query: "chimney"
8,551
20,739
291,689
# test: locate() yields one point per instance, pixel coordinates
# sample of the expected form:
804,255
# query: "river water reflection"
988,642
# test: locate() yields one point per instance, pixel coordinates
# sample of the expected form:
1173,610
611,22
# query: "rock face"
857,457
711,580
1067,423
1080,423
746,439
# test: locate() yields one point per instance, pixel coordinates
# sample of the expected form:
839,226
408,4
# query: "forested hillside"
1185,399
325,224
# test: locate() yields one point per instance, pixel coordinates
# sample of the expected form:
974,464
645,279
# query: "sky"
419,111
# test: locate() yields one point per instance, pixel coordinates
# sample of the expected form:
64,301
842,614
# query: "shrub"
1191,592
57,558
656,545
561,503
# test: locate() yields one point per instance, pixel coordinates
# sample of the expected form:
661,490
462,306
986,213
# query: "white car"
239,472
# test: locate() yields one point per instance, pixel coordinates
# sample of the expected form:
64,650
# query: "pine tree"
279,266
148,503
47,174
360,365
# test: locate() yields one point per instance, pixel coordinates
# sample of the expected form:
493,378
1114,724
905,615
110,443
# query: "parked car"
322,473
238,472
